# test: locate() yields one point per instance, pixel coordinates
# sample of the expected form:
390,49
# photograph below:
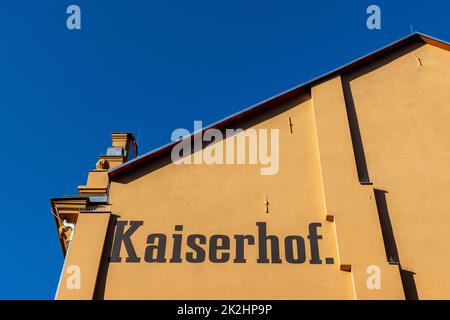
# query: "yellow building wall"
80,272
369,142
230,199
352,205
403,108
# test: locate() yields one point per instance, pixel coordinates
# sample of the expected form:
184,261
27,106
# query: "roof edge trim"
283,96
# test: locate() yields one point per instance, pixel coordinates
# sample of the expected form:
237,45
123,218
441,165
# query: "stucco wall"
230,199
403,108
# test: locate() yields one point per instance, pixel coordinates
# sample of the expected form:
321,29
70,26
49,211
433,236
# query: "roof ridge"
285,94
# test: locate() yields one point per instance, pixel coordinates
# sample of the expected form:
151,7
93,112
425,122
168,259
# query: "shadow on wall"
392,255
100,285
407,277
355,131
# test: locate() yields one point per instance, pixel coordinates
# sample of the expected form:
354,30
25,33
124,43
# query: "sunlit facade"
356,210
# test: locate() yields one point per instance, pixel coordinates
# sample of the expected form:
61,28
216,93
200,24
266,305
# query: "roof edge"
283,96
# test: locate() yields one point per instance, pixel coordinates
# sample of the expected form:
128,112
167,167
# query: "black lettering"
240,255
125,237
176,253
314,243
200,252
214,247
160,248
289,247
262,241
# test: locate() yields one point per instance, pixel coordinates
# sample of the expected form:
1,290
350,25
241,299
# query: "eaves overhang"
282,97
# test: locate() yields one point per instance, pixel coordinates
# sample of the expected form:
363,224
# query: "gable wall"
367,143
403,110
230,199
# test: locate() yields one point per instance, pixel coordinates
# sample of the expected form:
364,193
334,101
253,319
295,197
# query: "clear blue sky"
151,66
